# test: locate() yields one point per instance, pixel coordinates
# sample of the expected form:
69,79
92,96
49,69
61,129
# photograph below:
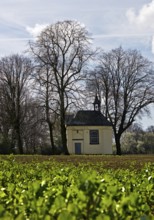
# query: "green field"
77,187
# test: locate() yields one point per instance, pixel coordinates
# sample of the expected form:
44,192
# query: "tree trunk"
63,132
63,136
118,144
51,136
19,143
62,123
19,140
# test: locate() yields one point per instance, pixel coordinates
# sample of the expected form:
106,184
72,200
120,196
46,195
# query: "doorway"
77,148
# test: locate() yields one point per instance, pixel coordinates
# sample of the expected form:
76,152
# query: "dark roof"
83,118
68,118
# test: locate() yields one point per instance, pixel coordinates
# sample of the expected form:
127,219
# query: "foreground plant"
50,190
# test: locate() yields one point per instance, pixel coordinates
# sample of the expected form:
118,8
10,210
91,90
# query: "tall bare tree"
65,47
15,72
44,88
126,80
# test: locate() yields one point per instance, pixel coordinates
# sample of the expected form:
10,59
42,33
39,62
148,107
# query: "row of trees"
136,140
57,75
20,113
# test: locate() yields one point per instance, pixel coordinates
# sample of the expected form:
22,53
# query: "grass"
107,161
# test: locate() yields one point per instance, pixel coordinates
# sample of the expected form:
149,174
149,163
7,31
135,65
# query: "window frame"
94,137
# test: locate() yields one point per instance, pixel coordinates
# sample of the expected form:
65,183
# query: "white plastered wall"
80,134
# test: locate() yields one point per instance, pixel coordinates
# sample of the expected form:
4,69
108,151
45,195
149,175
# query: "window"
94,137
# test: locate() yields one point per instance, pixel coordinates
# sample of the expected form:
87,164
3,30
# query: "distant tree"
136,140
126,80
149,142
64,47
128,143
150,129
132,141
15,72
149,139
35,133
45,90
137,131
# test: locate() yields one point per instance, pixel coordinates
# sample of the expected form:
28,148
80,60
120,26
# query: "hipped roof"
90,118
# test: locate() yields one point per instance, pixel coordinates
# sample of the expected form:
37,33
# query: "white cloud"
36,30
144,19
142,22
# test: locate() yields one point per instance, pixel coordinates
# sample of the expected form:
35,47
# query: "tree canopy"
38,90
64,48
125,80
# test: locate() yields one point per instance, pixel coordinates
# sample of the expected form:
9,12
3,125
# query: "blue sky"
126,23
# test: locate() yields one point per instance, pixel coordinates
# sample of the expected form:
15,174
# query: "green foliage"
50,190
142,142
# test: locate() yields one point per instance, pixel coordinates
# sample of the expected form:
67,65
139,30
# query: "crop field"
77,187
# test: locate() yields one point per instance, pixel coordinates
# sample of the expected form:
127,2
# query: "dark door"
77,148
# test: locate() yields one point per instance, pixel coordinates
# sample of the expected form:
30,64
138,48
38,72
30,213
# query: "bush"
5,147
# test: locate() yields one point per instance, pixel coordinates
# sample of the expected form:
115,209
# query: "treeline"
138,141
38,88
60,73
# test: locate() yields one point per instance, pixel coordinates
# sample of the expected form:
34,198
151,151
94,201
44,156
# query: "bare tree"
44,88
15,74
35,135
65,48
127,84
150,129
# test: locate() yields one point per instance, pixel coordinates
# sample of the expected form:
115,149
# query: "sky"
126,23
